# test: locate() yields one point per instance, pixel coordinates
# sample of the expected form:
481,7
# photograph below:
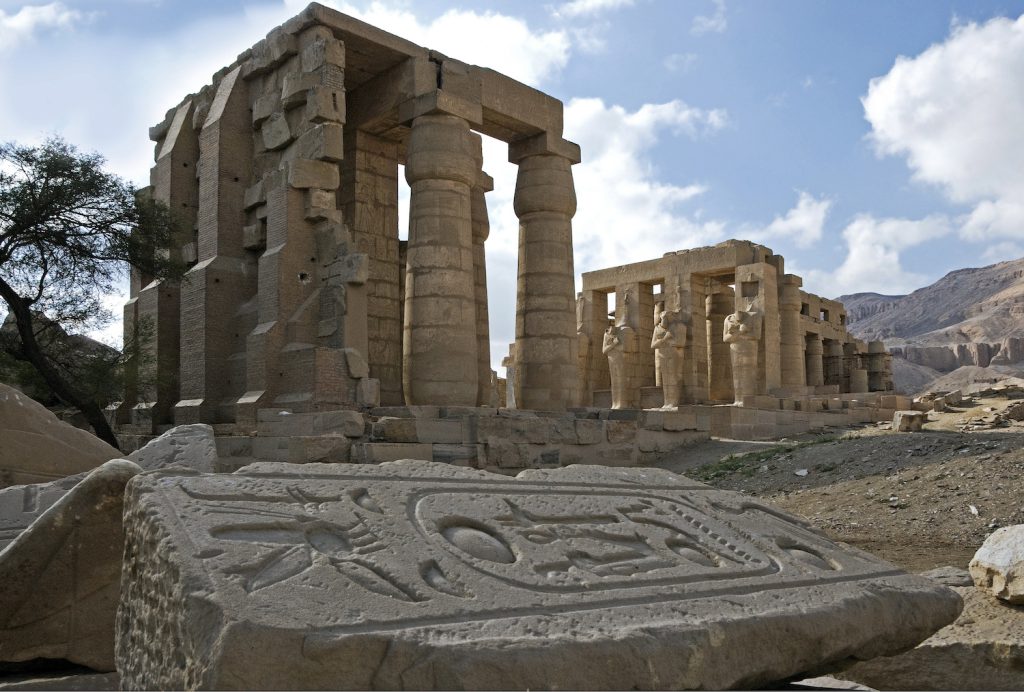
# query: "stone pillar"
720,305
158,306
216,287
833,363
368,197
793,371
545,202
439,350
815,368
855,373
879,367
481,229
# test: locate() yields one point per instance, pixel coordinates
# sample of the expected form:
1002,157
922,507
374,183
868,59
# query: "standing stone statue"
614,347
668,342
742,331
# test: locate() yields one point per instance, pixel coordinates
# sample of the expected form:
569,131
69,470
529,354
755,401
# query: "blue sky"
877,144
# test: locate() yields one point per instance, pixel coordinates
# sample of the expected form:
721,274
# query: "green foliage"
69,230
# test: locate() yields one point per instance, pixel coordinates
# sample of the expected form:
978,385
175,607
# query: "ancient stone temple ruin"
742,329
285,170
305,330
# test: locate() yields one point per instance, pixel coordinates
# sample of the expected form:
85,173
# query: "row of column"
446,354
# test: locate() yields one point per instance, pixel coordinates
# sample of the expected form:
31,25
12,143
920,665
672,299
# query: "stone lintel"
440,101
545,143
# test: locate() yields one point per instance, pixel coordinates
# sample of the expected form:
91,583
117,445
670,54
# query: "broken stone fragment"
414,574
61,575
998,566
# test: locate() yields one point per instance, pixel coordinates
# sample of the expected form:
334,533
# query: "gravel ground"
920,500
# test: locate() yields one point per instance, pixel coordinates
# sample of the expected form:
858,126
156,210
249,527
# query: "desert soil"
920,500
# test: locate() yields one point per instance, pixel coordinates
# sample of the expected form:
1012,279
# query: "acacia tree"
68,231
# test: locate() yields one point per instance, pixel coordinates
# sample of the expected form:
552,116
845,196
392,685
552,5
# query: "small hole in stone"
236,179
312,259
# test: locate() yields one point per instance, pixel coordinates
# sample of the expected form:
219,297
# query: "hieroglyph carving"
324,566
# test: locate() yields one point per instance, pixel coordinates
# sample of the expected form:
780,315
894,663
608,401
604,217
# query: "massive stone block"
420,575
60,576
35,446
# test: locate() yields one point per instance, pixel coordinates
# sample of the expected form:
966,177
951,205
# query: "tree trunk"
64,390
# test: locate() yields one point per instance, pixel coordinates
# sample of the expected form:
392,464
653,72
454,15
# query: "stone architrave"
614,348
668,342
742,331
421,575
61,576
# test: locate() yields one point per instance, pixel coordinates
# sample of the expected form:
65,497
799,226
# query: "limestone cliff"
970,317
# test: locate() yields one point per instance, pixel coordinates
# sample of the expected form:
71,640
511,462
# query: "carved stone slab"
421,575
59,578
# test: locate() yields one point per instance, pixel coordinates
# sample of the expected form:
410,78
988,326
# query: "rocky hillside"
970,317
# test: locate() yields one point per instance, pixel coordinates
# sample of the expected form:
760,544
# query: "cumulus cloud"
712,23
31,19
802,225
580,8
873,261
956,112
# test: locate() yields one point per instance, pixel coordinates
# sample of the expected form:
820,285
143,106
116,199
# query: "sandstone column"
833,363
814,363
720,305
793,371
440,343
481,229
545,202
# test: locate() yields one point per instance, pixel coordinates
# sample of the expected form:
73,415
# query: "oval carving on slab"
478,543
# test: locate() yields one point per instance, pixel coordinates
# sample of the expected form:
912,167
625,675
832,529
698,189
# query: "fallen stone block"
61,575
36,447
190,446
909,421
420,575
982,650
998,566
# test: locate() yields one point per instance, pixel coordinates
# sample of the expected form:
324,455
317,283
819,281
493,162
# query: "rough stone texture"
908,421
38,447
419,575
982,650
999,564
189,446
80,681
61,575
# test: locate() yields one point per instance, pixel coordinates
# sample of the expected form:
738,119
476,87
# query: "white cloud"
30,19
956,112
873,261
714,23
1004,251
802,225
580,8
625,213
680,62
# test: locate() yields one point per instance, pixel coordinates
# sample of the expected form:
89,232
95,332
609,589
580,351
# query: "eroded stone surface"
998,566
37,447
982,650
190,446
61,576
420,575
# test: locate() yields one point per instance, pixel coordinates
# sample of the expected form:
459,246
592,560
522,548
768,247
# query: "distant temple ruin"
802,346
284,171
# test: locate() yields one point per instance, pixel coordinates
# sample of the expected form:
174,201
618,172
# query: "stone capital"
543,144
441,148
439,102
